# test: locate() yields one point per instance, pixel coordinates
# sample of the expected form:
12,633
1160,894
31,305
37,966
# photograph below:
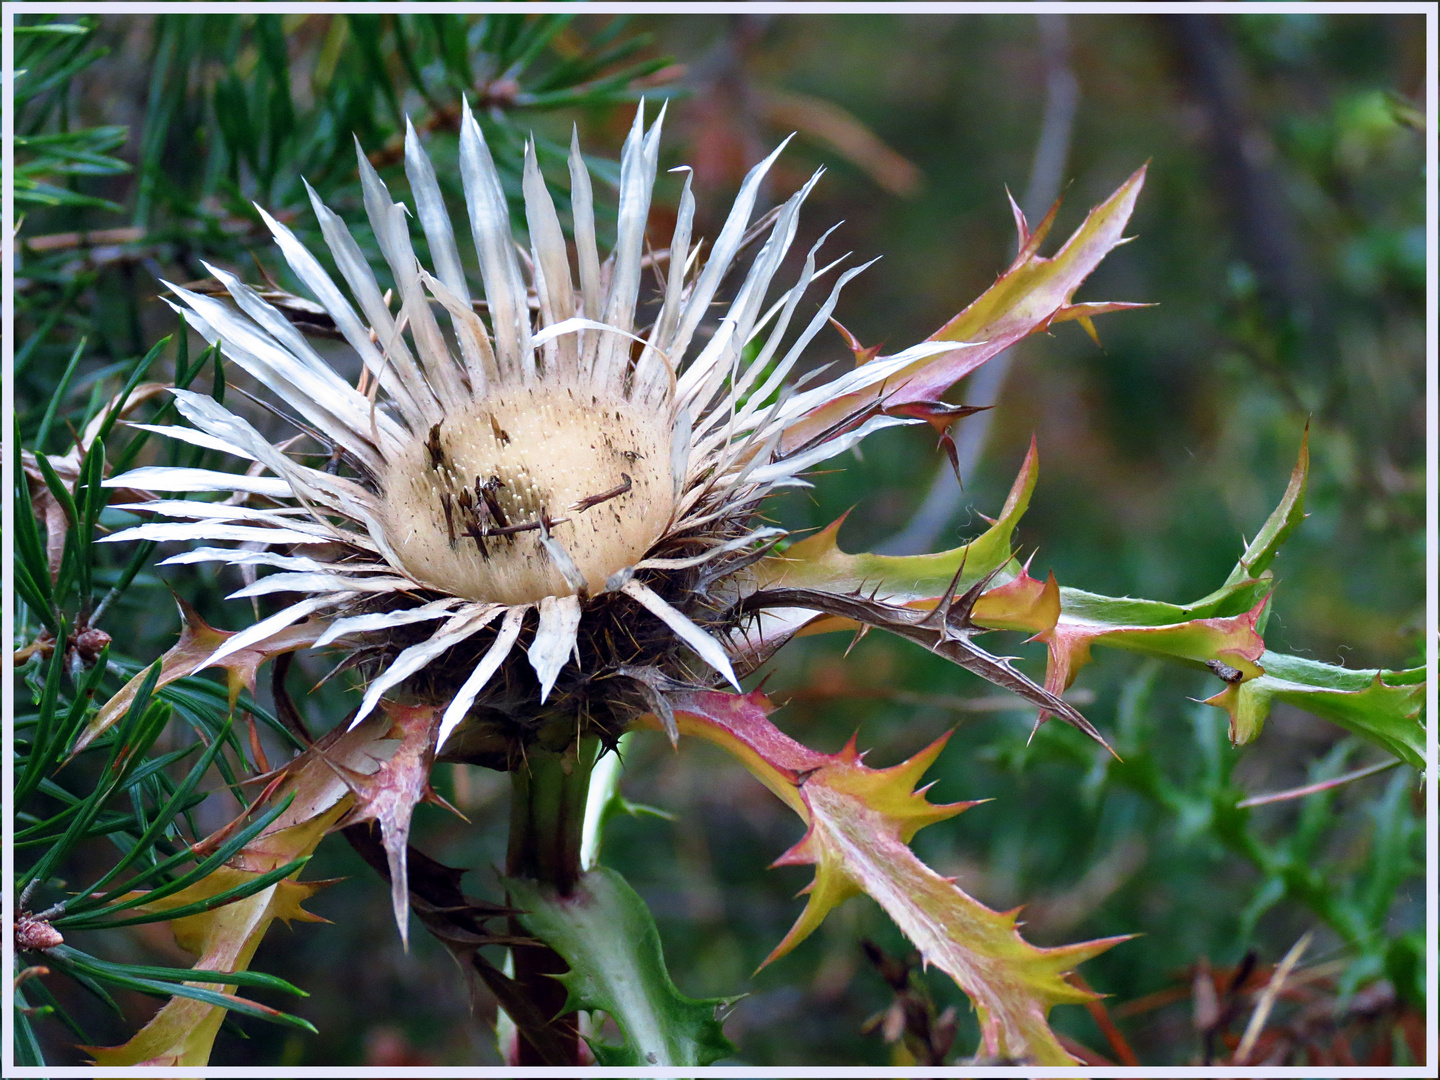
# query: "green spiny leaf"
607,935
1280,524
1385,707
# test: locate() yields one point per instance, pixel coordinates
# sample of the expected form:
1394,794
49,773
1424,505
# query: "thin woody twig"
113,244
1119,1045
1267,999
94,238
1316,788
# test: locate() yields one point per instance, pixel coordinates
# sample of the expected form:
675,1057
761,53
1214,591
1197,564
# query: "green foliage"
1384,707
606,934
1296,863
48,55
121,792
232,83
165,983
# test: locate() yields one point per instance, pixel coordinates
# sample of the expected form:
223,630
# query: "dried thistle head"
470,507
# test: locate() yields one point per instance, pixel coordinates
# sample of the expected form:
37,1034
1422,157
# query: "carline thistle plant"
532,523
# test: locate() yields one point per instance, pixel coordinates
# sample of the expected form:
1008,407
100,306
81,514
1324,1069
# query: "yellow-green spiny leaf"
1034,292
818,563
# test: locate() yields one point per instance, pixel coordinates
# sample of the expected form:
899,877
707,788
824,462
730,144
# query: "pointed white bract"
165,478
496,655
385,620
465,623
523,454
706,647
554,639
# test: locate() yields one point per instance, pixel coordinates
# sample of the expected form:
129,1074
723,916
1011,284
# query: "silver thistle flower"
569,463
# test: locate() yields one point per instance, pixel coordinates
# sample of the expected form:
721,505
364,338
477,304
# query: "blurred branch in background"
841,133
1047,172
737,116
1263,226
1244,159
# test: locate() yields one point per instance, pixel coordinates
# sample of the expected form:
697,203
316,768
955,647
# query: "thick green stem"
547,817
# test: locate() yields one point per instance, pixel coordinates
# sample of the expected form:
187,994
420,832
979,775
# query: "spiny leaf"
388,795
1221,631
863,353
1283,520
818,563
860,822
1385,707
604,931
1069,622
198,642
914,580
816,575
943,630
1029,296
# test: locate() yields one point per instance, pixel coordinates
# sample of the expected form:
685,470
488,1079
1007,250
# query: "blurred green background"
1281,238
